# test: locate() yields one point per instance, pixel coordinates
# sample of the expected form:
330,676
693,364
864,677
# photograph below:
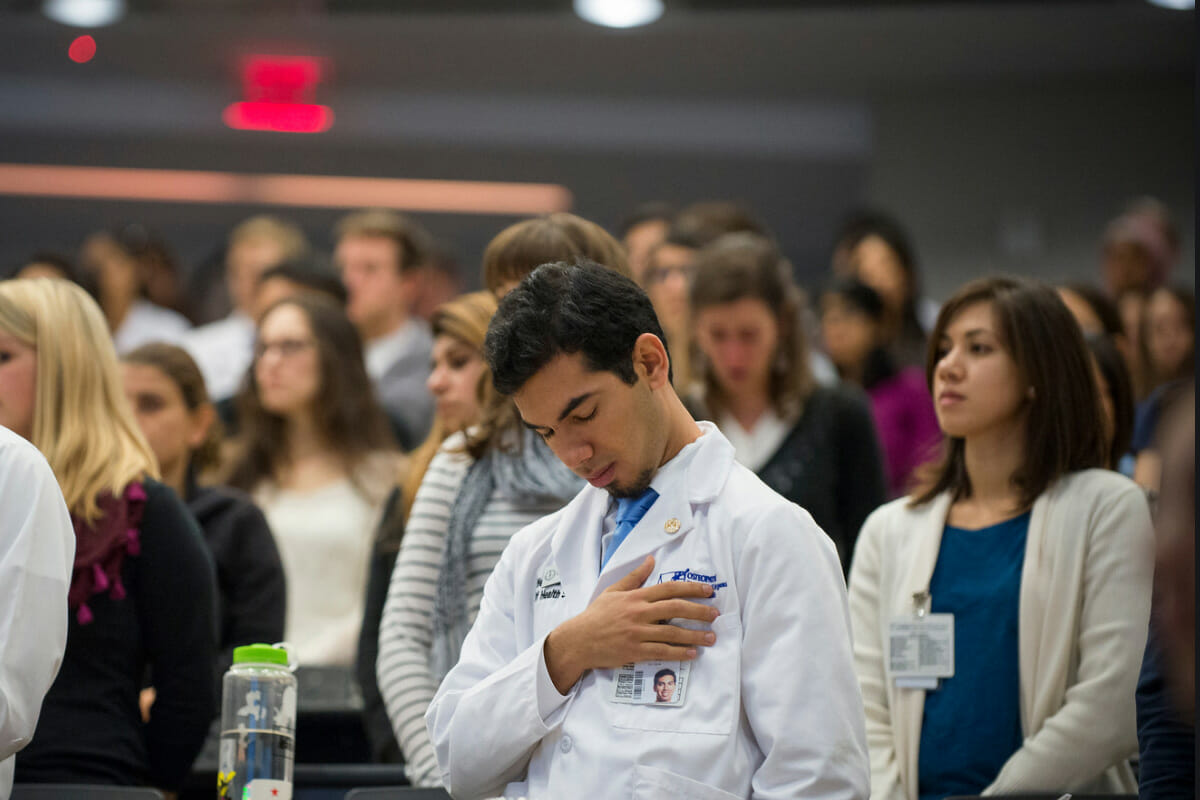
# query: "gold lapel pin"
671,525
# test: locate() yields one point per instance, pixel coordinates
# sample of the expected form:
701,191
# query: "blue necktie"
629,511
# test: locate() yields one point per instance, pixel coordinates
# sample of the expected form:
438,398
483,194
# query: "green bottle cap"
260,654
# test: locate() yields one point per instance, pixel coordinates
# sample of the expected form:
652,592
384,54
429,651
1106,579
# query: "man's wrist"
562,662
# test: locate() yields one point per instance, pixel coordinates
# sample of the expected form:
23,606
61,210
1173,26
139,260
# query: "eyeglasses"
660,274
285,347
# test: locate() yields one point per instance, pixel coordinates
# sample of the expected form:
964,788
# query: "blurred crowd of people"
325,461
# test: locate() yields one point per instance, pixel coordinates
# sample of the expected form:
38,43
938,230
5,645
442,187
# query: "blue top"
1166,741
972,723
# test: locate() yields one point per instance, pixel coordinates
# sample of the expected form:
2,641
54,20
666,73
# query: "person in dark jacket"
815,445
166,389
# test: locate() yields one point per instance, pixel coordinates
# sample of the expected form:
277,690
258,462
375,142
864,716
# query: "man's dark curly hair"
568,308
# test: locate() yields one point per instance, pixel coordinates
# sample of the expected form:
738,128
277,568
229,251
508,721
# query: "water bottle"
258,725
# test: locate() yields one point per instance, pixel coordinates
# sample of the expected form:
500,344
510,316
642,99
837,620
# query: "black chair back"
81,791
397,793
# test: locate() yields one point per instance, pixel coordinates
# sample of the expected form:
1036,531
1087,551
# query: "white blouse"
325,539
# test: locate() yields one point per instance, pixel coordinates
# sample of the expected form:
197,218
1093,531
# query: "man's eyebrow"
573,404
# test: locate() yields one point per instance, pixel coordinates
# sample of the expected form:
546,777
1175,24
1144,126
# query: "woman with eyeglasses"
314,450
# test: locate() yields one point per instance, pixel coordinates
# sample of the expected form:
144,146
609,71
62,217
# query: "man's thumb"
637,577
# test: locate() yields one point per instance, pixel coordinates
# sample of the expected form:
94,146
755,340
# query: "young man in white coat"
721,580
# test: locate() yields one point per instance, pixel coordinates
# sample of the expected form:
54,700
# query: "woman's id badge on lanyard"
921,647
659,683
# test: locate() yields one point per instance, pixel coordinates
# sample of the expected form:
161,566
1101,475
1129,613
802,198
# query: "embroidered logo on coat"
549,586
689,575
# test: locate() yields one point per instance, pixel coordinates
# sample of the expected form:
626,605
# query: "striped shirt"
406,631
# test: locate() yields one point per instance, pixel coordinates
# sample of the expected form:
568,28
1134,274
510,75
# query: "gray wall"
1023,179
1004,134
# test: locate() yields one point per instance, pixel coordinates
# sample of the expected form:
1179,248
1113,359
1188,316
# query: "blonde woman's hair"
82,422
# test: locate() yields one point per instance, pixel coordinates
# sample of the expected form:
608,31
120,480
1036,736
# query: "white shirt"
772,708
37,547
324,538
753,448
145,323
381,353
223,350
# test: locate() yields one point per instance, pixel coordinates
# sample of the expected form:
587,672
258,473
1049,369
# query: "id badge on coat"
921,650
657,683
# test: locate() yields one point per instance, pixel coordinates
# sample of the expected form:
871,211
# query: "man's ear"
650,359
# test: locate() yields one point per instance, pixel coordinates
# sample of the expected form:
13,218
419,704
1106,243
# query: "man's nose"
575,452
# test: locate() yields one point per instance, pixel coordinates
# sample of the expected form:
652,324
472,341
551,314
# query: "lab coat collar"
694,477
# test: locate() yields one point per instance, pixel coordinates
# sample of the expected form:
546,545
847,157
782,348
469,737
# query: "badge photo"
657,683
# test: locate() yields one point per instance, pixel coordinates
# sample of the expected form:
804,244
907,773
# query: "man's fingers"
665,591
684,609
675,635
634,579
657,651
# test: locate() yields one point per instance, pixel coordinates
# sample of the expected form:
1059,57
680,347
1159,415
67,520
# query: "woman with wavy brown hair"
142,591
815,445
315,453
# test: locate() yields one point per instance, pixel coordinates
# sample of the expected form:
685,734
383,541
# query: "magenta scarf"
101,547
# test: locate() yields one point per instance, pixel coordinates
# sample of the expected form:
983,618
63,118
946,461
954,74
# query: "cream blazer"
1084,611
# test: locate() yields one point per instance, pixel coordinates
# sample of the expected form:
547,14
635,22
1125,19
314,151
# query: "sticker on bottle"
263,789
657,683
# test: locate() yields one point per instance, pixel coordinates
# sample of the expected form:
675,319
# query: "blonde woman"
141,598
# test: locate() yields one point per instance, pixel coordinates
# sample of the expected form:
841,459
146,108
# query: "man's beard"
634,489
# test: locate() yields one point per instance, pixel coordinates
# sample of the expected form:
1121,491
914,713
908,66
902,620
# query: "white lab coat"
772,710
37,546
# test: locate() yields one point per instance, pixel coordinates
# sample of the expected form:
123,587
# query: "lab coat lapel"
671,517
576,546
653,531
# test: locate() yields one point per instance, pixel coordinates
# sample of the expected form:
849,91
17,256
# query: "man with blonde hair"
223,349
381,256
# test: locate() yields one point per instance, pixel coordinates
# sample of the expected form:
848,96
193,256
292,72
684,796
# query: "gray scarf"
528,476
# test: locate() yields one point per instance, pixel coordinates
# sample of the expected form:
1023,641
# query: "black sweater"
90,729
830,465
252,593
384,747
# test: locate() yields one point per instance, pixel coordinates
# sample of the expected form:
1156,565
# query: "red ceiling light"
82,49
278,96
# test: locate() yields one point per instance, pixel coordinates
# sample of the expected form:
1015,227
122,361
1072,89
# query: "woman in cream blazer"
1016,401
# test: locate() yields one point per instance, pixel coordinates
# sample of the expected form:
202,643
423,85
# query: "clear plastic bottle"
258,725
